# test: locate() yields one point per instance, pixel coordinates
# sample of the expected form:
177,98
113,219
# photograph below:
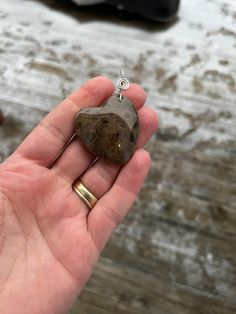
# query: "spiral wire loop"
122,84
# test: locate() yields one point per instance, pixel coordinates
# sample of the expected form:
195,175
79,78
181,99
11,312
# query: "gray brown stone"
111,131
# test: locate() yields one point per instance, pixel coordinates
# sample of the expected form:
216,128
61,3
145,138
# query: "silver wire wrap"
122,84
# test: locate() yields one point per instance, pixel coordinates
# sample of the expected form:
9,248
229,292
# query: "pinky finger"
114,205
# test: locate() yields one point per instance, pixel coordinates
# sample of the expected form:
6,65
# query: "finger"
101,176
136,95
148,122
52,133
73,161
114,205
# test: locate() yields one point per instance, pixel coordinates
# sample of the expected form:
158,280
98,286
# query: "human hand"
49,240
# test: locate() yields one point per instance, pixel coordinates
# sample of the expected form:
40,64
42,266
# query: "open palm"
49,240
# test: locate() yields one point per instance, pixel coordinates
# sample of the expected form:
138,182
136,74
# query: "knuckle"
53,129
113,214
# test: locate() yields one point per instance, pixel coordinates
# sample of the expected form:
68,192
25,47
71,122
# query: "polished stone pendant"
111,131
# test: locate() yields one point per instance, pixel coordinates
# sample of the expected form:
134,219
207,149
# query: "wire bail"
122,84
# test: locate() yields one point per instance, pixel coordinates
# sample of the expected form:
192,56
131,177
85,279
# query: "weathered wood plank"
175,252
15,123
144,293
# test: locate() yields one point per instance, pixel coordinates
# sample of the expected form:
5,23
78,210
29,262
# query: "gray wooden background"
175,253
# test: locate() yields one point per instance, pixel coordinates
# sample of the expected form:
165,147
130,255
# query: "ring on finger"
84,194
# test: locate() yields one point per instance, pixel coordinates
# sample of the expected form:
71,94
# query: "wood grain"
176,250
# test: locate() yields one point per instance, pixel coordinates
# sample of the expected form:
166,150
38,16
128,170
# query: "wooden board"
176,250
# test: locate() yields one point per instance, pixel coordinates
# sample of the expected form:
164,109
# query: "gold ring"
88,198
